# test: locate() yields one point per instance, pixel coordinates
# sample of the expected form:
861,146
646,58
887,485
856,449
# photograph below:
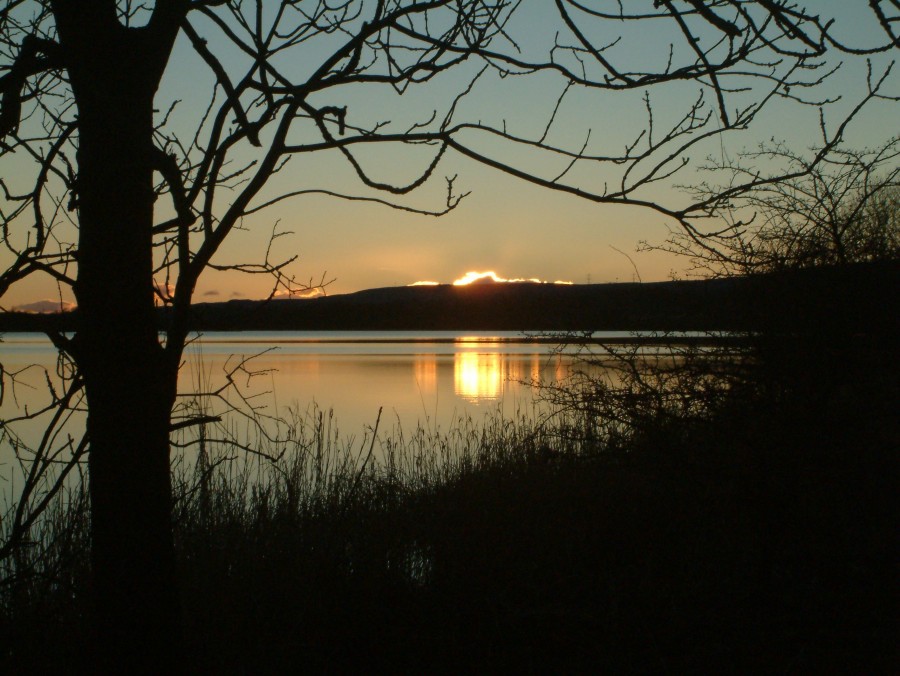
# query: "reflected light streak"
534,375
425,370
475,341
560,370
478,377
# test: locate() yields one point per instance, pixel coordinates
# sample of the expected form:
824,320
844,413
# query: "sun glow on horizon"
299,293
489,277
474,277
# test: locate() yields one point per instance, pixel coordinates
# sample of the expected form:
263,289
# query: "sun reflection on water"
478,377
425,369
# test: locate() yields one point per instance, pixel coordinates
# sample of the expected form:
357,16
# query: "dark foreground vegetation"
697,513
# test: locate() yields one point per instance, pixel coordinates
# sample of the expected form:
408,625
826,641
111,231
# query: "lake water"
428,378
417,378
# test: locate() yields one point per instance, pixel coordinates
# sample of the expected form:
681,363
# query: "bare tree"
841,207
124,206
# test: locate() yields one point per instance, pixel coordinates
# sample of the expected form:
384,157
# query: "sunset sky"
504,225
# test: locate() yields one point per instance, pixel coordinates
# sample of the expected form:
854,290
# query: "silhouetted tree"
839,208
79,90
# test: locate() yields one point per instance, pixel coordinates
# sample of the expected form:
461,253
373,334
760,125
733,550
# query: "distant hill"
856,295
502,306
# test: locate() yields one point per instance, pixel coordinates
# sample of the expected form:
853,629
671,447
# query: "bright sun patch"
487,277
473,277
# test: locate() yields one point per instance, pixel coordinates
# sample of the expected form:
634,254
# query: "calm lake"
417,378
428,378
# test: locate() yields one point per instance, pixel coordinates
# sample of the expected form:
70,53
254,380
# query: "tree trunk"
130,386
130,391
